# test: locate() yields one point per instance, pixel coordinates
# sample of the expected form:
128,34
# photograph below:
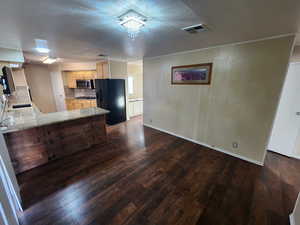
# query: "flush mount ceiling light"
41,46
49,60
133,22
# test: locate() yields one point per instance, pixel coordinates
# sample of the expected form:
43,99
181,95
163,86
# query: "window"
130,85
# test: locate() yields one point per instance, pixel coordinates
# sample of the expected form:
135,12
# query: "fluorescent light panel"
49,60
43,50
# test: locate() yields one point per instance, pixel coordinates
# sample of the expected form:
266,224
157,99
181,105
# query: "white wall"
287,123
238,106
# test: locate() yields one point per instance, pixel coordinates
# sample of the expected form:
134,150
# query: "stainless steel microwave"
85,84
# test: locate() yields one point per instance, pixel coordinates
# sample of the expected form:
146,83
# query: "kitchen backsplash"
75,92
84,92
69,92
20,96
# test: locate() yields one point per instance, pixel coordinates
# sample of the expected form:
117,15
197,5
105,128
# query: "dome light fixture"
133,22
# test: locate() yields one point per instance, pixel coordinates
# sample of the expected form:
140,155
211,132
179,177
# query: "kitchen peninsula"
34,138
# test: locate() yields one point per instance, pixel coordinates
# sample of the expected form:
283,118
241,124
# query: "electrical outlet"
235,145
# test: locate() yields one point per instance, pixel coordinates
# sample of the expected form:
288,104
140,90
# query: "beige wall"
136,71
238,106
78,66
118,69
39,82
19,77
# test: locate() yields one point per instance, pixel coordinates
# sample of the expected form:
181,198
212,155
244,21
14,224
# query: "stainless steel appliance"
85,84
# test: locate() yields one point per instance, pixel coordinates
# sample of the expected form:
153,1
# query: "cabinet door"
142,106
105,69
77,105
135,108
139,107
71,80
93,103
78,75
68,104
130,109
87,104
99,70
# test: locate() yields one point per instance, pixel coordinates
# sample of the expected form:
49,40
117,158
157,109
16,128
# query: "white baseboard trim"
291,156
295,157
206,145
292,221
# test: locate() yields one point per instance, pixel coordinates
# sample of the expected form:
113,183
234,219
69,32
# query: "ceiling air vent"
194,29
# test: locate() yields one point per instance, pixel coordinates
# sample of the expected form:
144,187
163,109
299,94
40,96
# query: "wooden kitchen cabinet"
102,70
72,76
73,104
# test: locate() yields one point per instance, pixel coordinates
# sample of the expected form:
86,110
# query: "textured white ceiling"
86,28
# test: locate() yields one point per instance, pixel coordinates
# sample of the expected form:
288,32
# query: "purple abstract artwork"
192,74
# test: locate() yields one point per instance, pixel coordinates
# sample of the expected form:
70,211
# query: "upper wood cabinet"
102,70
72,76
71,80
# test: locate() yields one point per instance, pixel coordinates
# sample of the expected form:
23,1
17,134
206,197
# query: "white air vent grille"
194,29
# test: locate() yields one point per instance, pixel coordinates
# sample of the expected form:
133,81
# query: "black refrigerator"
111,95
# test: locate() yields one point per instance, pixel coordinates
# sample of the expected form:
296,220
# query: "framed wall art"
192,74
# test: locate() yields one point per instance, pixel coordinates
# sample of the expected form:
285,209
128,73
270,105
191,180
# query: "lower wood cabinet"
73,104
37,146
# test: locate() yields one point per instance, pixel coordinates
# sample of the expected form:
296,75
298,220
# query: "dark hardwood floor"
143,176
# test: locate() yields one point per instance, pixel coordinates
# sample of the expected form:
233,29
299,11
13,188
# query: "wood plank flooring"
143,176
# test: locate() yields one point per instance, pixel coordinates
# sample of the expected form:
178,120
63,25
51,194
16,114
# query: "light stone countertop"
26,118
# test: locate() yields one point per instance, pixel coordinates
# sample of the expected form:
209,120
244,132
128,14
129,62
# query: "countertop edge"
11,130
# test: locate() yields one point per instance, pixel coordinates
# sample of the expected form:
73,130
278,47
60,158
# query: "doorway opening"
135,89
285,136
